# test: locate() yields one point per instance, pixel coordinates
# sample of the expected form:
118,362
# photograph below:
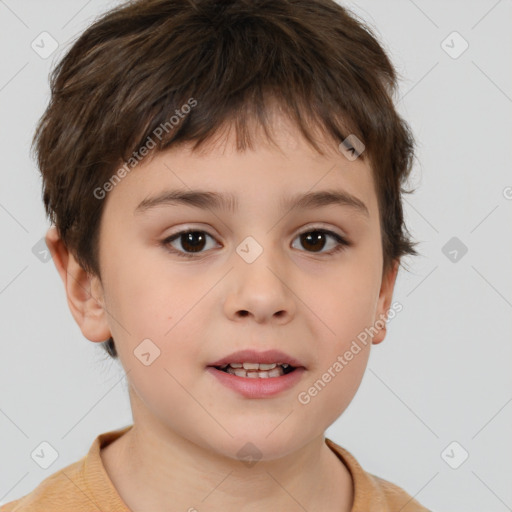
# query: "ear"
84,291
385,296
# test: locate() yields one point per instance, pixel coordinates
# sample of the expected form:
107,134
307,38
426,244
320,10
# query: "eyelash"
342,243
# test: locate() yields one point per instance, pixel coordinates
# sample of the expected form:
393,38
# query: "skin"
188,428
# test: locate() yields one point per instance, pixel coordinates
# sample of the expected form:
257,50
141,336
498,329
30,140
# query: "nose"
261,289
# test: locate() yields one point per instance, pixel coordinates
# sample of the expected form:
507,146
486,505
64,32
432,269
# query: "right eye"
190,240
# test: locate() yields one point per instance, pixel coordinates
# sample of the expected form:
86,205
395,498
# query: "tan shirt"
85,486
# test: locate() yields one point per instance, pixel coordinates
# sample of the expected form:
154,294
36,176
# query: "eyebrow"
228,202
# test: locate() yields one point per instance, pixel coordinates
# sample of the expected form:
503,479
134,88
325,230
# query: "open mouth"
257,379
257,370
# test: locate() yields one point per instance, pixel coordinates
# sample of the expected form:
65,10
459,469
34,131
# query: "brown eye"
315,241
191,242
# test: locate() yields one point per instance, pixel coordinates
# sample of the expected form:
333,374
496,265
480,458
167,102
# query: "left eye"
316,237
193,242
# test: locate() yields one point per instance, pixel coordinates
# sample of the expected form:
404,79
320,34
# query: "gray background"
443,373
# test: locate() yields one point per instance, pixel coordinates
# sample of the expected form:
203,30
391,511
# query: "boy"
224,180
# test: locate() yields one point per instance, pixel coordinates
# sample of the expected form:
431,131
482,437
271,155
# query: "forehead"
286,171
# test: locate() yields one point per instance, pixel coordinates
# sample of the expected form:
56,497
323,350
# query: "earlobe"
385,296
83,290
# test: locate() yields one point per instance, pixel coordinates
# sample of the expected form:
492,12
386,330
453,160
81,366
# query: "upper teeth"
257,366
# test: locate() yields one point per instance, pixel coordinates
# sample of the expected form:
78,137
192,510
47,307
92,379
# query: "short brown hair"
140,62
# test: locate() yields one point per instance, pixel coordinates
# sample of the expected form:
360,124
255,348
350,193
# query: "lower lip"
258,387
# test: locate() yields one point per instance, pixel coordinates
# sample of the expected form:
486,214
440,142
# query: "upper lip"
254,356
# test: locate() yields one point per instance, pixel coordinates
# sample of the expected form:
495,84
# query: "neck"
152,468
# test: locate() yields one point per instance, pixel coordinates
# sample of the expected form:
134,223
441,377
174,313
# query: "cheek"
166,393
344,307
330,389
345,304
168,311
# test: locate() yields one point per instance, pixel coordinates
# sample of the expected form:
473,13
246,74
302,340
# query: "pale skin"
181,453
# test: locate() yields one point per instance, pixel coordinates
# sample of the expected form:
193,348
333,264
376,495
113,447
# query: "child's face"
297,296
